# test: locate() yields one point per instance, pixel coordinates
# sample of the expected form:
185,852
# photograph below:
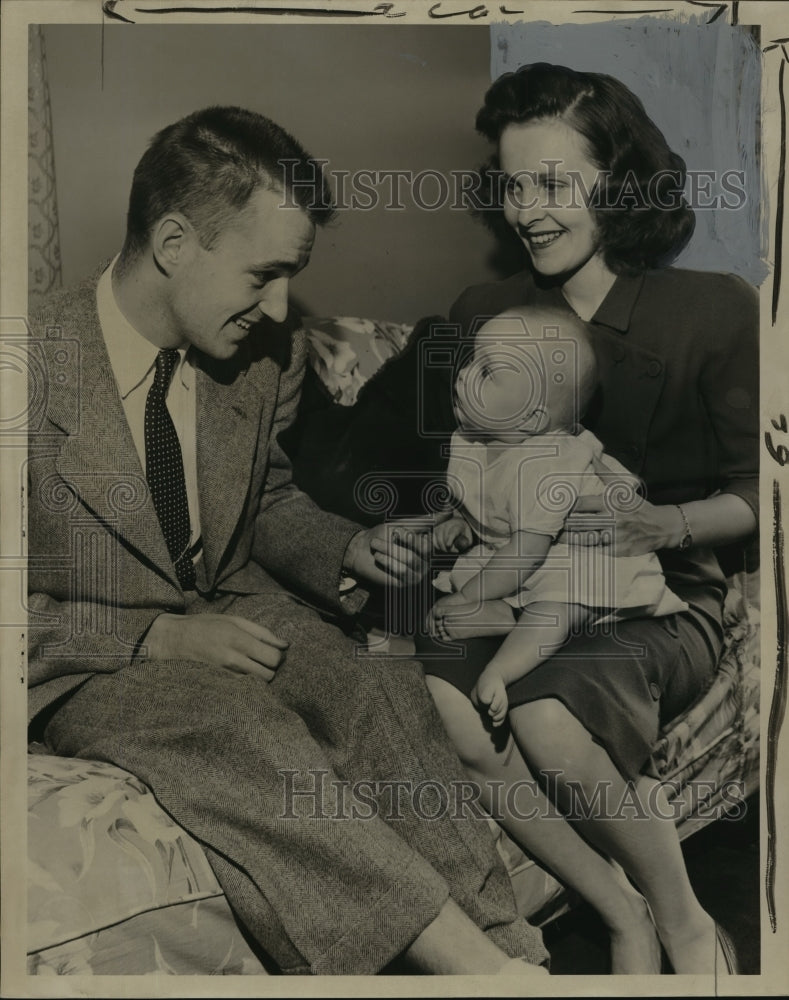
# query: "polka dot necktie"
164,469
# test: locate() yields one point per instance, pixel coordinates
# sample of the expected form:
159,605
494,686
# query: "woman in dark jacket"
595,195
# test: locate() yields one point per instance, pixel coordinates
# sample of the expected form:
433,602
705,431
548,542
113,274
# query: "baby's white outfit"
532,487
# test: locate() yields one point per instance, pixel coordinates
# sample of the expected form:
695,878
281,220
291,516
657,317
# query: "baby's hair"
567,399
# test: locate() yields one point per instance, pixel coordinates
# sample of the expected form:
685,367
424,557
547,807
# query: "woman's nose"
530,210
526,201
527,215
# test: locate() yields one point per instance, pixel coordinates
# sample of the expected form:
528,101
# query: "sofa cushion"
345,351
102,853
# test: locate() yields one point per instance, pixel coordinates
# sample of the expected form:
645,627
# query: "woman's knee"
542,725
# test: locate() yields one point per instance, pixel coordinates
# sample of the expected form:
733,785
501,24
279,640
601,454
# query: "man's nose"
274,300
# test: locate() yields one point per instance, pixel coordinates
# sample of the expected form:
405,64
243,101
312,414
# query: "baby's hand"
490,692
453,535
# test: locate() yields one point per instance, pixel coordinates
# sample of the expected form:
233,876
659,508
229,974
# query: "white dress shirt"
133,358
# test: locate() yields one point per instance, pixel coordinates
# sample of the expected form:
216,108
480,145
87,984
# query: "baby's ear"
537,421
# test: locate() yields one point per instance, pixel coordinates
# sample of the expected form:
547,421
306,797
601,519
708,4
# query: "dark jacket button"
654,368
654,690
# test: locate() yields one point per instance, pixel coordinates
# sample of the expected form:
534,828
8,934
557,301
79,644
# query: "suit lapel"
228,426
99,460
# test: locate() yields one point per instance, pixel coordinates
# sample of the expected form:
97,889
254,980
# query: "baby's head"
533,371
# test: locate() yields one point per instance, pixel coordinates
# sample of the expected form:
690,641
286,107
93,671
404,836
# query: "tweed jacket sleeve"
295,540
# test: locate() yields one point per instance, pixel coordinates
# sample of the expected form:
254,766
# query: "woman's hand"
631,532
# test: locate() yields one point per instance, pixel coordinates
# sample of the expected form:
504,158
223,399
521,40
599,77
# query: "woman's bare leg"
494,761
642,837
542,628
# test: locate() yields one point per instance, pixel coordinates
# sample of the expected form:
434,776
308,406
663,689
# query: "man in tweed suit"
216,670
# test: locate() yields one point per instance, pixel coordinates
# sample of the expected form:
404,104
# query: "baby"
518,462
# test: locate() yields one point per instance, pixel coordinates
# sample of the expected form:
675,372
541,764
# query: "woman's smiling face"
549,177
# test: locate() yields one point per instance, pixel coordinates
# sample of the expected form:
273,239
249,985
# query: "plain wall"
362,97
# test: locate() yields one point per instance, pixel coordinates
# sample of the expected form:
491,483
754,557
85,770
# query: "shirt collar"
131,355
617,307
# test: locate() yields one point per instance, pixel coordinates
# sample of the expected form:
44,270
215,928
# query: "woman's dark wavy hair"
210,163
642,217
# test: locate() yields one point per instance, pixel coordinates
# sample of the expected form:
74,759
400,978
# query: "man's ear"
171,241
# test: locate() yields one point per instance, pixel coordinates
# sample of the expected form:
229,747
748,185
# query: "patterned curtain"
43,265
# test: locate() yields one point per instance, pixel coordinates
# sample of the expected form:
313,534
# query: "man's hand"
226,641
396,552
453,535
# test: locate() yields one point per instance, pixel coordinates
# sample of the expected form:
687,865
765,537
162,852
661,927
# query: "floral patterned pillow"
346,351
103,855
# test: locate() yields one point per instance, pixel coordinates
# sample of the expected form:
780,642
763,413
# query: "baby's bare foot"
490,695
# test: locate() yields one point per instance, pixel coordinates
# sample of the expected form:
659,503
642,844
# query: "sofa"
115,887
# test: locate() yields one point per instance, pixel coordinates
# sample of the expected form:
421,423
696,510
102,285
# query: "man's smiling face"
216,295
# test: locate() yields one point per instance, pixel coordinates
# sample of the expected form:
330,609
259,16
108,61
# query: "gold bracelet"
687,538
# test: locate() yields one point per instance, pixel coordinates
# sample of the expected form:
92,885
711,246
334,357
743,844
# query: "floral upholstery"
110,874
116,888
345,351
